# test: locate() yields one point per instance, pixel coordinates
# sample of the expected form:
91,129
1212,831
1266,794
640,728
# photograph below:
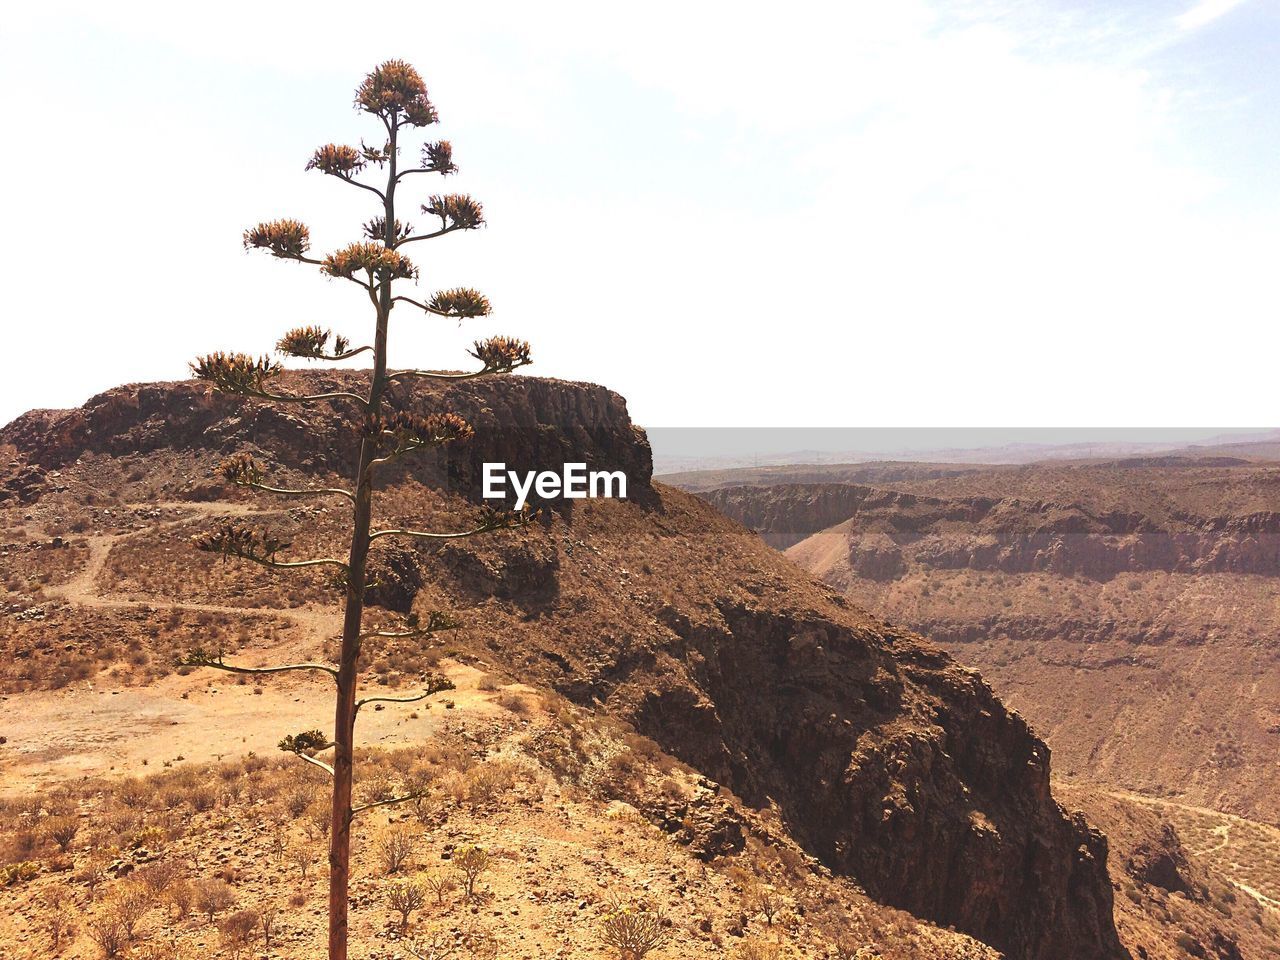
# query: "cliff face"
889,530
1091,596
785,514
892,765
884,758
528,423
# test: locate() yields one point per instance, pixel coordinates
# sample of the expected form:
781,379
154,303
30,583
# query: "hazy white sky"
998,212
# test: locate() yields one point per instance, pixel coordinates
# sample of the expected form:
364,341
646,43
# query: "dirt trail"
82,589
100,728
1222,831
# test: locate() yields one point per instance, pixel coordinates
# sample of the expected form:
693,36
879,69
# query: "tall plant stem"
348,677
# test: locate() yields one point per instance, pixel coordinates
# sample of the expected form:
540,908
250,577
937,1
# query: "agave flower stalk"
395,95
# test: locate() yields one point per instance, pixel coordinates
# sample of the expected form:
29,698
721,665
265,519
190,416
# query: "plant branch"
295,564
319,763
426,535
360,808
433,375
200,659
312,492
344,356
308,398
363,186
413,699
428,236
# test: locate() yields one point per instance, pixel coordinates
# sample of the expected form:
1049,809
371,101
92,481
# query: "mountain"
870,749
1125,607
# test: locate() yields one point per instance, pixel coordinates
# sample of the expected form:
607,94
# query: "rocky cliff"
528,423
889,530
1127,608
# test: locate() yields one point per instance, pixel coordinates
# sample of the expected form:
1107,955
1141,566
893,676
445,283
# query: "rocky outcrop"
890,764
784,515
526,422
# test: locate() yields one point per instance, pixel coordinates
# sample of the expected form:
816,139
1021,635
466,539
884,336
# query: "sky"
872,214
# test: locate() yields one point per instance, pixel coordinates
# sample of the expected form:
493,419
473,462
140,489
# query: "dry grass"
502,849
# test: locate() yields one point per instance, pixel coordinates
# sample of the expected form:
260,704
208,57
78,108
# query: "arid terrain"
1127,608
651,707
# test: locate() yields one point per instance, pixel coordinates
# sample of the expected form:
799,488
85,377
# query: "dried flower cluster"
280,238
395,88
233,540
438,158
236,372
456,211
308,742
376,229
337,160
413,430
369,258
435,620
460,303
240,469
501,354
313,343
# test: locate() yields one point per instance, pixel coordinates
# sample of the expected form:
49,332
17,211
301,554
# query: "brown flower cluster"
456,211
309,742
311,343
411,430
240,469
376,229
371,258
233,540
501,354
337,160
460,302
236,372
396,88
438,158
280,238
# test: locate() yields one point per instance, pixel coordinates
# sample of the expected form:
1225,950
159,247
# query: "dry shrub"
754,948
515,702
107,932
318,819
62,830
406,897
129,904
238,931
213,896
440,885
59,919
297,802
377,786
762,898
633,930
471,861
302,856
94,871
267,922
133,793
159,876
180,895
395,846
202,798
